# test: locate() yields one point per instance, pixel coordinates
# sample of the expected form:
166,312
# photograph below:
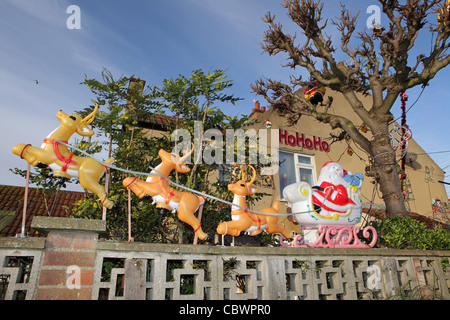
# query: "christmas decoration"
314,92
444,15
243,220
332,207
54,154
364,128
349,151
166,197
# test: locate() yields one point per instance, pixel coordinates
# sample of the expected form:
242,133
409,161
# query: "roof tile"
12,197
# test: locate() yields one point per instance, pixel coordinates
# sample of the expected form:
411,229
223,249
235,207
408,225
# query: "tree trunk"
386,169
392,193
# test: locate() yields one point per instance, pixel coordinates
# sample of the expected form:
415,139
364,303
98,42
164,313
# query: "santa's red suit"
331,194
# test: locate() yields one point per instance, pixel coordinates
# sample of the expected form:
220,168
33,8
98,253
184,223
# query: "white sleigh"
328,225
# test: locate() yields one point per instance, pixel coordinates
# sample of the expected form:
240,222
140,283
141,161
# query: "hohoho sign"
299,140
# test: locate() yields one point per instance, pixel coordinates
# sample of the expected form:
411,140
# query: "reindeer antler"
253,176
90,117
187,154
242,172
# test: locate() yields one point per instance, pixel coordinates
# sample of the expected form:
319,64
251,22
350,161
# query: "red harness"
67,161
258,220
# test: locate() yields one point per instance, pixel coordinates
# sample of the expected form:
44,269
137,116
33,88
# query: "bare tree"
380,67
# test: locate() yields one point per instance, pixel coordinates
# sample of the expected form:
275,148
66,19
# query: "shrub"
408,233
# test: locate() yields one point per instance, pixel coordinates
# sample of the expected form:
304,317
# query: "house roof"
158,121
11,207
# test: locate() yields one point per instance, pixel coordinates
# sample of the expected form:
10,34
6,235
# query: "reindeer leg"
188,205
135,185
228,228
61,174
99,190
89,180
274,227
255,233
32,155
235,227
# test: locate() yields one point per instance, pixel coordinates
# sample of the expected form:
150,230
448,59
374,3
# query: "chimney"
133,82
256,108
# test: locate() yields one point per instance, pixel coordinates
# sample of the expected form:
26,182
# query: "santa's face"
333,173
336,169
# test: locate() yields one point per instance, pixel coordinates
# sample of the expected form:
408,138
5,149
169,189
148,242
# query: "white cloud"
235,13
52,12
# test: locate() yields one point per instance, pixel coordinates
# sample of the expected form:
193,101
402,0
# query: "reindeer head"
174,160
75,123
243,188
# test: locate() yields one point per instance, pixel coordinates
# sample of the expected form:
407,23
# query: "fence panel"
137,271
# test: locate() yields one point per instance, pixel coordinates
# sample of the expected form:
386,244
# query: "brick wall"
63,250
68,260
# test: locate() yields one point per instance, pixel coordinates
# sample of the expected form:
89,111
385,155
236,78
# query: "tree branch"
348,126
379,64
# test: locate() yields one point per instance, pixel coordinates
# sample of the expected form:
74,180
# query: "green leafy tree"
121,122
192,100
116,125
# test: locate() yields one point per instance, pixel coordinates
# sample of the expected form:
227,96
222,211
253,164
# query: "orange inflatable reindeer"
166,197
243,220
63,163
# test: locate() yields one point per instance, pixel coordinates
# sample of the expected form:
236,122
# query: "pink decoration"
336,236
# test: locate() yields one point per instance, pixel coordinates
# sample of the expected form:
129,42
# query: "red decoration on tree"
404,98
349,151
364,128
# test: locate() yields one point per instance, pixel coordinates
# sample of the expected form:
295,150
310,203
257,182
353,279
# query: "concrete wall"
72,263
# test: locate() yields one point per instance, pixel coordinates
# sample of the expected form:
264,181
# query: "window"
305,169
295,167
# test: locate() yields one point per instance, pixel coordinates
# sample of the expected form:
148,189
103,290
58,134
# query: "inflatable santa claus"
335,200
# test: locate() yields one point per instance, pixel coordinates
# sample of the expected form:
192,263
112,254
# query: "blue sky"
156,40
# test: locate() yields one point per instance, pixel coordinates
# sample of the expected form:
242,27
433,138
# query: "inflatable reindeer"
63,163
243,220
166,197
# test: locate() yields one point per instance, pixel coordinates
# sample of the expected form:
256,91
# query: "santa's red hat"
327,163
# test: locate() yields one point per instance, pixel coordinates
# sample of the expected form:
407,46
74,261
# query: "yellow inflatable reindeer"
184,203
64,163
244,220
